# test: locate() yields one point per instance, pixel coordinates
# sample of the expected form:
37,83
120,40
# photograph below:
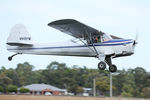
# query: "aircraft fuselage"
117,47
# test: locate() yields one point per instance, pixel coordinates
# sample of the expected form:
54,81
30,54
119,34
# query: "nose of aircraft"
134,44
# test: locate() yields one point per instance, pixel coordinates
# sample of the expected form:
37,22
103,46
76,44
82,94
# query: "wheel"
9,58
113,68
101,65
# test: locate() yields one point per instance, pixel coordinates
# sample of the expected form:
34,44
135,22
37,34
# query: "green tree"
68,82
13,75
24,90
1,89
127,91
118,81
141,77
102,84
3,70
76,89
146,92
56,66
25,73
128,85
12,88
79,89
126,94
4,82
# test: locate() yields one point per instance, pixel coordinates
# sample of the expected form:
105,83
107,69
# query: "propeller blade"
136,37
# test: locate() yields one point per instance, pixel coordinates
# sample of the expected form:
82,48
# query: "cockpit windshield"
106,37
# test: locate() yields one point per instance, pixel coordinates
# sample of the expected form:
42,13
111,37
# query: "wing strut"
86,45
91,42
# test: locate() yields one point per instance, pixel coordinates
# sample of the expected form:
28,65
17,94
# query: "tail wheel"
113,68
9,58
101,65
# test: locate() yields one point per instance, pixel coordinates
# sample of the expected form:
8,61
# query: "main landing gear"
113,68
102,64
10,57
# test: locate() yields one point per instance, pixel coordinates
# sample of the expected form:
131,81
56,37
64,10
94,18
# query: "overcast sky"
118,17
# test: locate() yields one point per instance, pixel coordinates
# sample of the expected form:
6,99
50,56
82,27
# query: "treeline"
126,83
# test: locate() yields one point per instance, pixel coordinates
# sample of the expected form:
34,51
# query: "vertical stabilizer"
19,36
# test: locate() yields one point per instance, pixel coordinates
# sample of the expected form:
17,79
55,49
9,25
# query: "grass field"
34,97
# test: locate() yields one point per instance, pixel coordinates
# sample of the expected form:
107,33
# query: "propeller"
136,38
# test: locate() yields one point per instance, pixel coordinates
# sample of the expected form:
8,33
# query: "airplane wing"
75,28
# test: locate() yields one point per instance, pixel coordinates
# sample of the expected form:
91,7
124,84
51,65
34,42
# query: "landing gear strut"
10,57
102,64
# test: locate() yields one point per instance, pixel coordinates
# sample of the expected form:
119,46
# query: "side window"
99,39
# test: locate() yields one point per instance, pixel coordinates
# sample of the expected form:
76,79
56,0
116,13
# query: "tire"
101,65
9,58
113,68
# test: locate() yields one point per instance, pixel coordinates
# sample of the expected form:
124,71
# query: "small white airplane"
93,43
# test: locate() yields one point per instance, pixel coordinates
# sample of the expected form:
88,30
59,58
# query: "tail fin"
19,36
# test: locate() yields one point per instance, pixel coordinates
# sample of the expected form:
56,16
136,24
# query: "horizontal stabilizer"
19,44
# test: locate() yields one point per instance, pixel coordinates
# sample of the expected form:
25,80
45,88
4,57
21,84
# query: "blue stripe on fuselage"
117,40
95,44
